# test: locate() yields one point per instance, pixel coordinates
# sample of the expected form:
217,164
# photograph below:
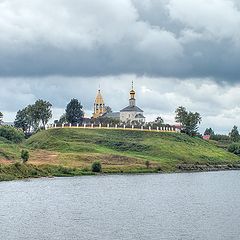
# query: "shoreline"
19,171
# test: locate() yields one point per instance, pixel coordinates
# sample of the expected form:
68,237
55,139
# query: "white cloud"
217,18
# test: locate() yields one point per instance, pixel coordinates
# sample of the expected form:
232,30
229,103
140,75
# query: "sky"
177,52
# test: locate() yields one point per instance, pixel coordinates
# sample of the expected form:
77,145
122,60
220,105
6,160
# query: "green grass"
71,152
166,149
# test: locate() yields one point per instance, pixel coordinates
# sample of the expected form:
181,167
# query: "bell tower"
99,105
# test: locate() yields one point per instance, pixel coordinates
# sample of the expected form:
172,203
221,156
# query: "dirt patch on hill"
40,157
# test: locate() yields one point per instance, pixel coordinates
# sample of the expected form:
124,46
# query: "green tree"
24,156
234,134
12,134
1,118
74,112
190,121
159,120
42,112
96,167
209,131
22,120
26,119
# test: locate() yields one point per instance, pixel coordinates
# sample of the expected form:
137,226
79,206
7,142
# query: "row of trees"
233,135
34,117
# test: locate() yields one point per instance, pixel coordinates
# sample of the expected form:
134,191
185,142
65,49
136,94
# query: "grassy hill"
63,152
124,150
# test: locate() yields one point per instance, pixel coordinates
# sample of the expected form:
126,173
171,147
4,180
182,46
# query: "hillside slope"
125,151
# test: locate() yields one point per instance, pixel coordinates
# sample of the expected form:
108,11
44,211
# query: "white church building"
132,113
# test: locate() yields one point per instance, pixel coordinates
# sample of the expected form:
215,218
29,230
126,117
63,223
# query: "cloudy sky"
178,52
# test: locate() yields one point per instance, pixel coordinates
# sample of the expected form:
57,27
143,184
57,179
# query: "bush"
25,155
234,148
147,163
12,134
96,167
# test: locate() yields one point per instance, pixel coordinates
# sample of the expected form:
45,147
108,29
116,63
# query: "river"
122,207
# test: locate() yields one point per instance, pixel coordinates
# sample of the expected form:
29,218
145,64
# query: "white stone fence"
116,126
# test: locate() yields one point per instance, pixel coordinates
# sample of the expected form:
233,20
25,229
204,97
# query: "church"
132,113
129,114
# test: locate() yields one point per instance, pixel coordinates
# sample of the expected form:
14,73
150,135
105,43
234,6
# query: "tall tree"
42,112
189,120
1,118
234,134
74,112
26,120
209,131
22,120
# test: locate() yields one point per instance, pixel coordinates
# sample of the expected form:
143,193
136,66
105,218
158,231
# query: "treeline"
34,117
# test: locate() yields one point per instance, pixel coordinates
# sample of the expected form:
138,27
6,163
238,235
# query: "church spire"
132,100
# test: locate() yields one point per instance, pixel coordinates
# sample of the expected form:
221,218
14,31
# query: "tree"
26,119
188,120
22,120
74,112
33,116
1,118
24,156
42,112
159,120
234,134
209,131
96,167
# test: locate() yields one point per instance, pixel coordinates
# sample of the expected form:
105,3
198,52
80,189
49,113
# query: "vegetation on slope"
68,152
127,150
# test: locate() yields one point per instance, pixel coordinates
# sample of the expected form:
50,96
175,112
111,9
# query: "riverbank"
71,152
18,171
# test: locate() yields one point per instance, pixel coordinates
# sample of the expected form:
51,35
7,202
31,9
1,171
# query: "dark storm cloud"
167,38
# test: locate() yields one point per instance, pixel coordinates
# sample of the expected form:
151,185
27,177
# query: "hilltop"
63,152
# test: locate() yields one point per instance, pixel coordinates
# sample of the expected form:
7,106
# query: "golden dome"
132,92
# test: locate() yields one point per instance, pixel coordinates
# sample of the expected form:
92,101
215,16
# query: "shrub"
147,163
234,148
24,155
96,167
12,134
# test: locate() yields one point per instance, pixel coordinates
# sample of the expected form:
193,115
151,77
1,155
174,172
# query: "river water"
122,207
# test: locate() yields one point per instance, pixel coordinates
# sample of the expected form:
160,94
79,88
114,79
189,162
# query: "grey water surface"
122,207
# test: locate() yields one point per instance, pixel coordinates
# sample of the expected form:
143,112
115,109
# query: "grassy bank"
60,152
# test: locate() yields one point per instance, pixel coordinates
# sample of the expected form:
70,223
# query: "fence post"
124,126
141,128
116,126
132,126
63,125
158,129
149,128
92,125
70,125
100,125
108,125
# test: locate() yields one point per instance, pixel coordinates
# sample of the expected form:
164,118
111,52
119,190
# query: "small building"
99,105
112,115
132,113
